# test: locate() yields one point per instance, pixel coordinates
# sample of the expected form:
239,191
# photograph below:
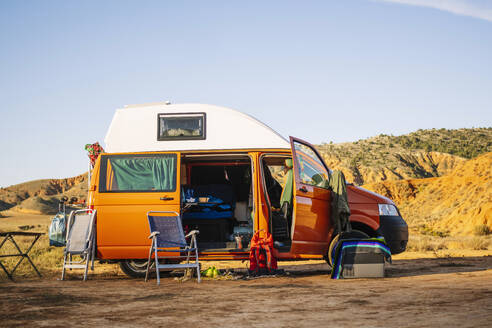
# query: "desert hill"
459,203
467,143
420,154
42,196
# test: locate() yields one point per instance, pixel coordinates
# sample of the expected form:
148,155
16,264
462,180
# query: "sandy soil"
454,292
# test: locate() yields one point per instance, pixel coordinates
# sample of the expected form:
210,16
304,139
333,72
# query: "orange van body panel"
364,207
312,225
122,228
93,184
367,214
263,212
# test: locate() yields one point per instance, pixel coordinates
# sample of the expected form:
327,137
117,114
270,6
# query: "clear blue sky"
320,70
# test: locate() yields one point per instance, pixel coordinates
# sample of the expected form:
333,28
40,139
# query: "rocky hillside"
421,154
467,143
42,196
459,203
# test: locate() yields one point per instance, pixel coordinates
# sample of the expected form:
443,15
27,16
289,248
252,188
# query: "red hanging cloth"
261,259
93,151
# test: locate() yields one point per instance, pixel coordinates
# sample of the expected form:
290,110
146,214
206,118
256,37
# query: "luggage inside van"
217,201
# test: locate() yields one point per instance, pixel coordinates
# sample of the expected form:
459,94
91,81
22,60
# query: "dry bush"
476,243
470,243
481,230
426,243
455,244
422,243
47,259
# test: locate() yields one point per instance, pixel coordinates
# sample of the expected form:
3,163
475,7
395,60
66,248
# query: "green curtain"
145,173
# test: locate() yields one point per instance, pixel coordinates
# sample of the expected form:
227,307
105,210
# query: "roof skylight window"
186,126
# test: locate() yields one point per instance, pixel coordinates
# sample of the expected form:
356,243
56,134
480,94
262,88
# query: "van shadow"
406,268
429,266
399,268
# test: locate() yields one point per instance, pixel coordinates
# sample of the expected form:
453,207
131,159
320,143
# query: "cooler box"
360,258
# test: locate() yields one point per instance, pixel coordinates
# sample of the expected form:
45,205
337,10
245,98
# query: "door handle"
303,189
167,198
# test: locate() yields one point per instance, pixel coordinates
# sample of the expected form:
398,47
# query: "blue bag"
57,232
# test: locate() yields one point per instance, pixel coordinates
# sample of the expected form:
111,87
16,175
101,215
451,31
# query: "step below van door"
129,186
312,226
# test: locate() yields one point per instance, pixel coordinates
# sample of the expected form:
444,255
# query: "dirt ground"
437,292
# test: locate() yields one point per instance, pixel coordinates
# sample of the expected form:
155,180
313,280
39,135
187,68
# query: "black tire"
134,268
138,268
353,234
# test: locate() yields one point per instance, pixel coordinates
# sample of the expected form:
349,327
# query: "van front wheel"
356,234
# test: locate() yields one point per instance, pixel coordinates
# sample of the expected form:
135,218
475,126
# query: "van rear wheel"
353,234
138,268
134,268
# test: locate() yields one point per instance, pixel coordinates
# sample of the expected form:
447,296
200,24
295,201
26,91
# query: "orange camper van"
228,175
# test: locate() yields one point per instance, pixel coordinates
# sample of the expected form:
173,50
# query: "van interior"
278,186
217,200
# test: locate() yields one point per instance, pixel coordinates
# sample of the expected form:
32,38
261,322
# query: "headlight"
387,210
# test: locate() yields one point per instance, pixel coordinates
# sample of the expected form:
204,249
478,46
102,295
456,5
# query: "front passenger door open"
312,226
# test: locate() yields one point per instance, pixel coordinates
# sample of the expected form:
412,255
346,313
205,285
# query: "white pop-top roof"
134,129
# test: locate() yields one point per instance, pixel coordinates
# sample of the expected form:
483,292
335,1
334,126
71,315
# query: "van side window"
311,170
187,126
138,173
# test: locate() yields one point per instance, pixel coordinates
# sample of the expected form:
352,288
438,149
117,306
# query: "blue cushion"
208,215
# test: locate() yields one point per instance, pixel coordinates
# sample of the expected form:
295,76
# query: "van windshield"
138,173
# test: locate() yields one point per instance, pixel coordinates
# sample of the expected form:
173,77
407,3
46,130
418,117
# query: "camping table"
10,236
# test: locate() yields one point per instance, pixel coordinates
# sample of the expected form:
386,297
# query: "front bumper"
395,232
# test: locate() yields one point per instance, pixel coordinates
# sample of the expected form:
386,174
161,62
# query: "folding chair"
166,232
81,240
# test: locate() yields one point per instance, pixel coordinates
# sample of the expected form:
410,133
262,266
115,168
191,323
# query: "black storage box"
360,258
363,264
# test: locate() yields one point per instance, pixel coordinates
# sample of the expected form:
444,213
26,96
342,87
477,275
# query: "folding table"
10,236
